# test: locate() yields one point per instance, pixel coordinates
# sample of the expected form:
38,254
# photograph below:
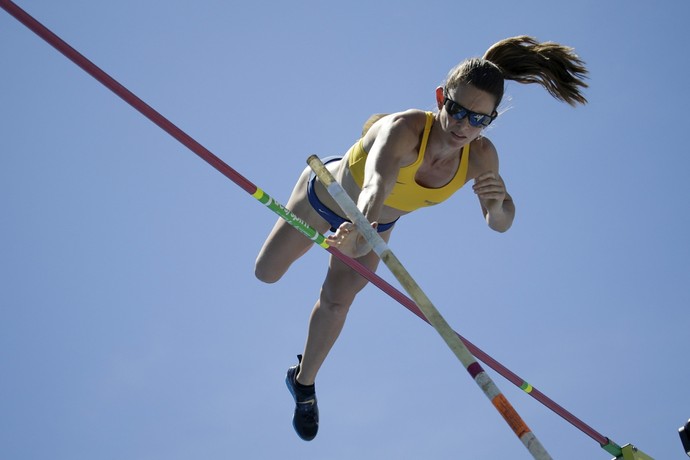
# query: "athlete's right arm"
393,142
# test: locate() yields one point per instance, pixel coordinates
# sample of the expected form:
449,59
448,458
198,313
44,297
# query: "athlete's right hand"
349,240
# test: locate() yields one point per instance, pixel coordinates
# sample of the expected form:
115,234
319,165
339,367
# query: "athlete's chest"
436,174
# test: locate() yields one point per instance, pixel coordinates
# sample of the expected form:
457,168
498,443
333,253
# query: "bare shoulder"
483,157
399,128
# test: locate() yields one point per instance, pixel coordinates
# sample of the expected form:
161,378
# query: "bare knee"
340,295
266,276
266,272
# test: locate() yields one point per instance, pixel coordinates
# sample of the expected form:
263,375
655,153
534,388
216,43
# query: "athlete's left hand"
490,189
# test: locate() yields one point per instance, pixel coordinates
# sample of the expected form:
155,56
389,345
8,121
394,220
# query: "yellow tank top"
407,195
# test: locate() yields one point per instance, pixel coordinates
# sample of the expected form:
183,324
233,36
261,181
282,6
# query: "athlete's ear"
439,97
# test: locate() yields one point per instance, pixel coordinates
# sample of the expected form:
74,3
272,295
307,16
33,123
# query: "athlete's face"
461,108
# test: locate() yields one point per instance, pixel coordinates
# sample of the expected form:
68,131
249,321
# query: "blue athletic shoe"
306,417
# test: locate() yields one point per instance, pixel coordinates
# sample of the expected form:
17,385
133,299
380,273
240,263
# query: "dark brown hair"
555,67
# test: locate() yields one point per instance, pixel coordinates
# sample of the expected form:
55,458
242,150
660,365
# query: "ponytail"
555,67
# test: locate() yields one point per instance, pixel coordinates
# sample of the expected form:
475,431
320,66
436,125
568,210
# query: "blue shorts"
331,217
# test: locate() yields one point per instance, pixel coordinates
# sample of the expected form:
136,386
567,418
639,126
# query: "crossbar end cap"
684,432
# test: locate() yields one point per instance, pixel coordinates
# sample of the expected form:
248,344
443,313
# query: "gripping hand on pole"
350,241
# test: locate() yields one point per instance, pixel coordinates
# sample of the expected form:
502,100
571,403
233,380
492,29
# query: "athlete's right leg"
285,244
328,317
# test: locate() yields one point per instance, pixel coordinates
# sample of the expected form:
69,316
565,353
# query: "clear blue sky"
131,326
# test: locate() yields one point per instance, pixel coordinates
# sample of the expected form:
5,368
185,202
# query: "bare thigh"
285,244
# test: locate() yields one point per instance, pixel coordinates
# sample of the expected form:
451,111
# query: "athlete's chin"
459,138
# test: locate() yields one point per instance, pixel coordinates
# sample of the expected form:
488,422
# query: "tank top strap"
425,136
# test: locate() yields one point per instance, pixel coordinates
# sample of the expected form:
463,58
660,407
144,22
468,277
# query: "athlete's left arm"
496,203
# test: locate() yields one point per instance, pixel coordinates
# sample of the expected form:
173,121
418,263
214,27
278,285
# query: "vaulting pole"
130,98
434,317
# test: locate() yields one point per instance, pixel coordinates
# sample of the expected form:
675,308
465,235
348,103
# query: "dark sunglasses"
455,110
